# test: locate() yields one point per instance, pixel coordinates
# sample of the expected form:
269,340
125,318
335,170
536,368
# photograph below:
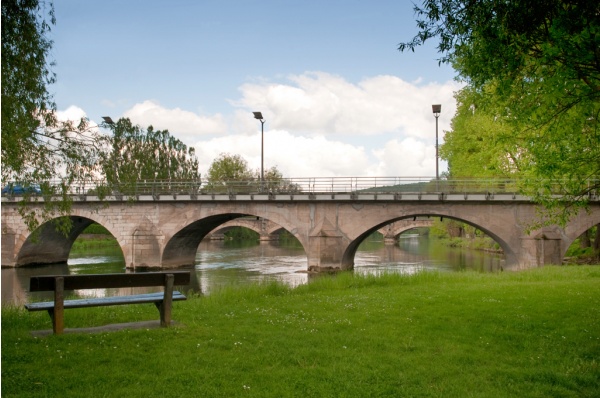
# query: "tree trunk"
584,239
596,245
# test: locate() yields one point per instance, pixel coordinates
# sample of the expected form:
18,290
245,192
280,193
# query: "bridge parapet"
314,187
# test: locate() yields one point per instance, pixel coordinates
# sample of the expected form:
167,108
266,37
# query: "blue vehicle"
20,189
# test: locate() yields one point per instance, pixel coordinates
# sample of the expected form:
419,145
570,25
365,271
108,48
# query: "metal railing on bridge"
306,185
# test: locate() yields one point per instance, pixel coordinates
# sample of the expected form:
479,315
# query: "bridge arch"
181,248
574,230
234,225
48,245
394,229
350,253
263,227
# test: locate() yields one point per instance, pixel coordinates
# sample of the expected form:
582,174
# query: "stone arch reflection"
417,252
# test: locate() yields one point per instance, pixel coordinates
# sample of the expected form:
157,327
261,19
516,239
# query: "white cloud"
183,124
73,113
293,156
320,156
306,112
318,125
407,158
321,103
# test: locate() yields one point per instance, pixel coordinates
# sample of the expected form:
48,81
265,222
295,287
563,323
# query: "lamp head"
258,115
108,119
437,109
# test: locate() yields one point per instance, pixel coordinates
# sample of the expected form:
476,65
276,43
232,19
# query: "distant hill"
413,187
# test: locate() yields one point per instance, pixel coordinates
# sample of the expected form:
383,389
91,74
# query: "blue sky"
339,99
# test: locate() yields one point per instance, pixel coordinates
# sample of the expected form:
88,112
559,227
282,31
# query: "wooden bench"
60,283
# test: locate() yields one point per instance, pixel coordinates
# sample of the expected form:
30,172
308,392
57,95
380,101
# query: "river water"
224,263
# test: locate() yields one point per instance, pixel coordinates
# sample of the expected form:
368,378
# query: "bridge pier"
325,254
326,250
541,248
145,249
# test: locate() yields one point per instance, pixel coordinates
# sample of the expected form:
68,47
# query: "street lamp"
259,116
437,109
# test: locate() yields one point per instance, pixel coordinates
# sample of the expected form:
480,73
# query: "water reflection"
222,263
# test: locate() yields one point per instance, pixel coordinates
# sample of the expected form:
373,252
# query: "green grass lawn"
528,334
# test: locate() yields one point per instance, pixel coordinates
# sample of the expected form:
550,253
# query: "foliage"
533,76
479,144
587,246
37,148
230,173
229,168
147,155
241,233
96,229
275,182
455,233
506,41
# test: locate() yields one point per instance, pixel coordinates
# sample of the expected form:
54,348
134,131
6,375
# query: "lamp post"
259,116
437,109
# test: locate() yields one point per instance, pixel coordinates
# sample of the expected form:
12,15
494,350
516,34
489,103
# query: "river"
223,263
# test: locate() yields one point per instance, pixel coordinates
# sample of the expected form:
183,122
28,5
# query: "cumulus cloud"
293,156
319,156
73,113
309,110
405,158
321,103
183,124
317,125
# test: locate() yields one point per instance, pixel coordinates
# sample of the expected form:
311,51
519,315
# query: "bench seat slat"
105,301
94,281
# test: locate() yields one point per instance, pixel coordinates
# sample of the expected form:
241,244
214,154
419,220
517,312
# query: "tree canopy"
228,171
532,100
228,167
37,148
136,154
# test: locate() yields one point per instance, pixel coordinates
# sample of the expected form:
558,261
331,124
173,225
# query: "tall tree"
537,68
231,172
36,146
136,154
229,167
478,144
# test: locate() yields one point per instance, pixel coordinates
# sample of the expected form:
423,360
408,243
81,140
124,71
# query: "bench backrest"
97,281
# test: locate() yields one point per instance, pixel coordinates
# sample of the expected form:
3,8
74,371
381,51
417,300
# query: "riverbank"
94,241
531,333
486,244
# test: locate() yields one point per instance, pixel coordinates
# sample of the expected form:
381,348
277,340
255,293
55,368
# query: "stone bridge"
165,231
268,230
